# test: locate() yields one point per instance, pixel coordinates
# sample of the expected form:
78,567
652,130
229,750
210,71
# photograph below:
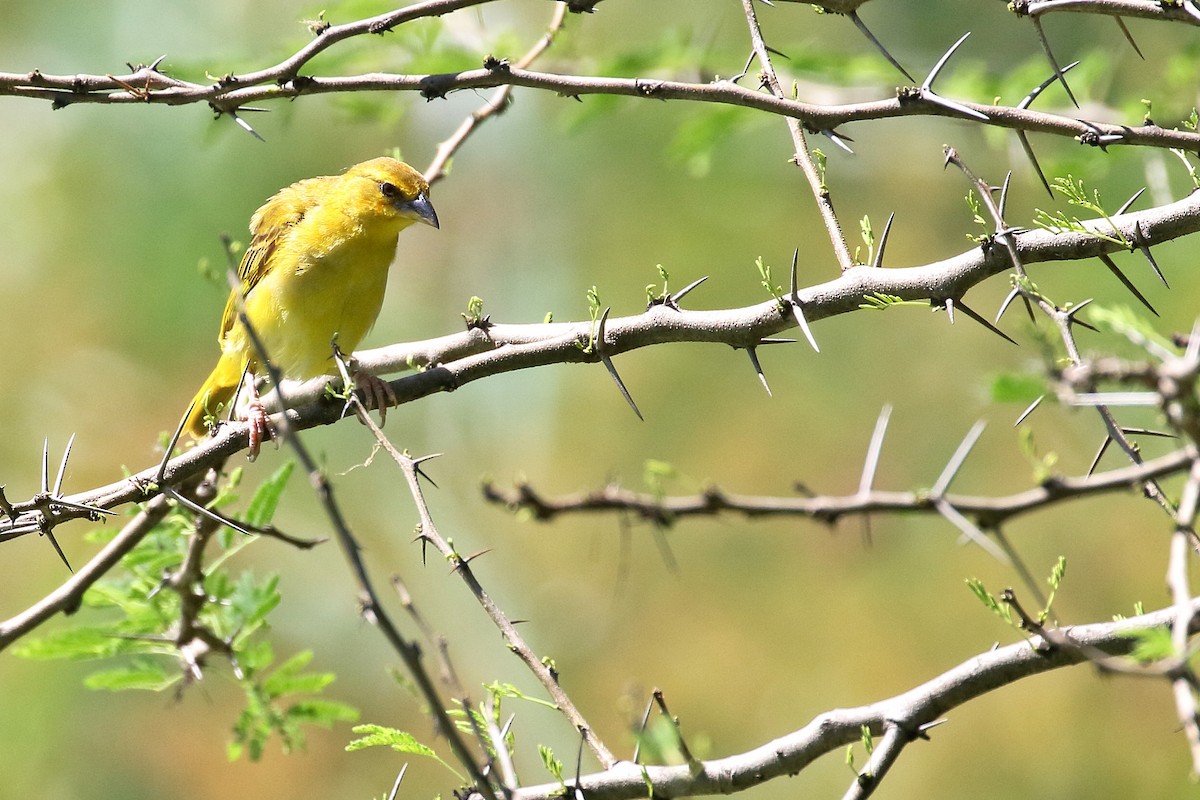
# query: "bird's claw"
376,393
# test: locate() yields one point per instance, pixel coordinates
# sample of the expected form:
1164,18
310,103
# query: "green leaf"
75,644
323,712
1124,321
288,678
262,506
552,764
398,740
1012,387
143,675
999,609
1152,644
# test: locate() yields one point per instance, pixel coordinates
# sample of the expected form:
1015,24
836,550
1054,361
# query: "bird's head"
387,189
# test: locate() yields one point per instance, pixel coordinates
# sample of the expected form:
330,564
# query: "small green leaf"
1012,387
1152,644
262,506
143,675
323,712
552,764
381,736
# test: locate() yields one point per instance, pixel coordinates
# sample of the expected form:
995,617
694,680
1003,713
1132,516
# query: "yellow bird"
316,269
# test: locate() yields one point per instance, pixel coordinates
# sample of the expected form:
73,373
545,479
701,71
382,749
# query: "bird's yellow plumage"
316,268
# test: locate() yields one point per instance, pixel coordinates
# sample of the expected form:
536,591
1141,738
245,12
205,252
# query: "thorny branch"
453,361
988,512
912,712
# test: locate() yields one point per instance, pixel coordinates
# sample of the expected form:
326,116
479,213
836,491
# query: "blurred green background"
109,326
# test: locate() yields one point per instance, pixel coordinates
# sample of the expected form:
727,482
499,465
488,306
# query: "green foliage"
474,313
703,130
652,296
867,740
398,740
820,160
1057,573
976,207
552,764
1043,465
498,691
1151,644
173,605
1073,190
594,312
868,237
1013,387
765,279
265,715
1128,324
878,301
1002,610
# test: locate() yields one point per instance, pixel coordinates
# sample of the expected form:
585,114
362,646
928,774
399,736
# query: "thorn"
933,73
838,139
1129,37
858,23
798,313
948,304
753,353
1129,202
776,340
871,464
1149,432
1029,410
1001,206
1058,72
62,468
970,530
966,310
416,465
745,69
205,511
1139,240
776,52
1112,267
956,461
675,298
938,100
46,465
609,365
245,125
1099,454
1012,295
798,307
1029,98
59,550
1074,310
926,90
396,785
883,241
1192,352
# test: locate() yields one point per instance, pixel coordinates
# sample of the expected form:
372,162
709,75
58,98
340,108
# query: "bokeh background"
110,213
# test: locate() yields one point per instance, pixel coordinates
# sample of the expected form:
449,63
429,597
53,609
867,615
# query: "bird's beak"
422,210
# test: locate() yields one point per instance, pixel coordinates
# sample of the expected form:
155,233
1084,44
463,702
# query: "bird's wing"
268,227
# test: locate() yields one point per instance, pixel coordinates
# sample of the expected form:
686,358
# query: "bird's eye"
389,190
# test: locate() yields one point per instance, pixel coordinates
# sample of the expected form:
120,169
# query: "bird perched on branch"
315,271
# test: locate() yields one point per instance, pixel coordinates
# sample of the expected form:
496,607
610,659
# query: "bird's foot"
376,393
260,426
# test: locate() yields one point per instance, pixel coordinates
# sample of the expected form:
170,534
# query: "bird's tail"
218,390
